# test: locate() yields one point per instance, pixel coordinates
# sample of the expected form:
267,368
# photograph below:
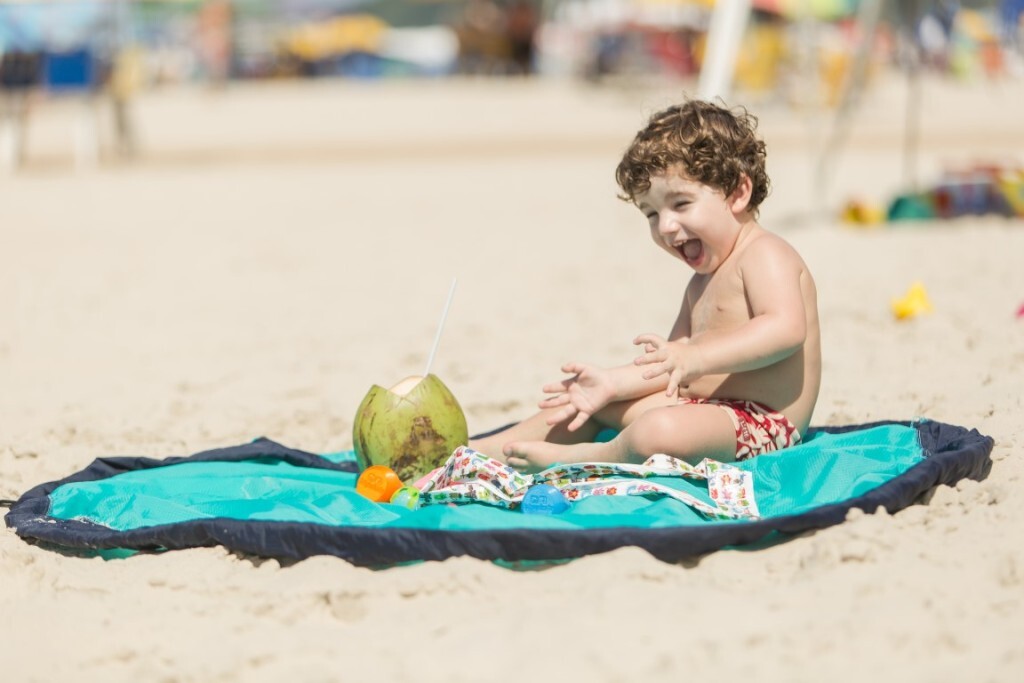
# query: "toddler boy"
739,372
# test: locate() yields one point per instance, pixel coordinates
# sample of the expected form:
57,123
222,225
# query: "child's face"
691,221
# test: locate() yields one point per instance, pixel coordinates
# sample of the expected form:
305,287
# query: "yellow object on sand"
1011,185
337,36
863,214
913,303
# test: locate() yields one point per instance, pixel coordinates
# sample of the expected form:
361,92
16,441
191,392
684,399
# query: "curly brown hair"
714,145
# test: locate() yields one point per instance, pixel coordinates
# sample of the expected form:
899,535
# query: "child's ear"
739,200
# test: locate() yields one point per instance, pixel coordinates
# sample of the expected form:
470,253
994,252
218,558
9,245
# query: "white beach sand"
280,248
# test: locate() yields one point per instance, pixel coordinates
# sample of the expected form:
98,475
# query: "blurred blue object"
544,499
73,70
407,497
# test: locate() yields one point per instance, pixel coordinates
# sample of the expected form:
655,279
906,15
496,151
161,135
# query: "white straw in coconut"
440,327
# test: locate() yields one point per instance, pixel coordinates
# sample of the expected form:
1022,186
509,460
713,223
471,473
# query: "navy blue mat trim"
952,453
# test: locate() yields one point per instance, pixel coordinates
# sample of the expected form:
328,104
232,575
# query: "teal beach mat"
266,499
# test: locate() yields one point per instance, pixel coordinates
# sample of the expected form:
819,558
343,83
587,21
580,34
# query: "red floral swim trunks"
759,429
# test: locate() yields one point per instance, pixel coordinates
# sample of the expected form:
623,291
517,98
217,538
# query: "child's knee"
659,430
683,432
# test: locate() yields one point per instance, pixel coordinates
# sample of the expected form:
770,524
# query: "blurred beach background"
224,219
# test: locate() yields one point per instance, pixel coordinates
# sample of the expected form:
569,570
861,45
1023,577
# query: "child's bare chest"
717,303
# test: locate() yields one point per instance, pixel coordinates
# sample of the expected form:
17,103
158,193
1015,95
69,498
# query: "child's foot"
534,456
489,447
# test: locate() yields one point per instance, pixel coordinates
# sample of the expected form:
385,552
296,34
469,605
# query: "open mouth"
691,250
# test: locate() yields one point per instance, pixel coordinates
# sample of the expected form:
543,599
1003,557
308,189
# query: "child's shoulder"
764,244
767,251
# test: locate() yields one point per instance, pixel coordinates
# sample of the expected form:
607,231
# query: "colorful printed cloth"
759,429
470,476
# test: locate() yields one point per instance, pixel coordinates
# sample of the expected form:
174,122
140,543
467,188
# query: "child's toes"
517,463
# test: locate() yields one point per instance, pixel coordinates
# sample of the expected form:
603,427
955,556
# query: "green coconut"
412,427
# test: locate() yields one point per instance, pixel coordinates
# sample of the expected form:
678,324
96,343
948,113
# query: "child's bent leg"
534,428
689,432
615,415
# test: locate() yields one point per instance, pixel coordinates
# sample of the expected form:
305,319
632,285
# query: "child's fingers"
562,415
572,368
656,371
579,421
674,380
557,387
649,340
650,357
554,401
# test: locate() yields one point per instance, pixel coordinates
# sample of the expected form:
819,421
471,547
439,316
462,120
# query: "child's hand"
676,358
586,392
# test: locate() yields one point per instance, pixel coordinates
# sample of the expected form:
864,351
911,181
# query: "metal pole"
728,22
868,16
912,119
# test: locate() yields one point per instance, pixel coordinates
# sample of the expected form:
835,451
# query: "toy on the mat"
378,483
407,496
1020,311
544,499
412,427
913,303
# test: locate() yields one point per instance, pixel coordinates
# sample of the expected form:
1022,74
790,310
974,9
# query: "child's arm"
776,330
592,388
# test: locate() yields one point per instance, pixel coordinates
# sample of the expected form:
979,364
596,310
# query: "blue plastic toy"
544,499
407,496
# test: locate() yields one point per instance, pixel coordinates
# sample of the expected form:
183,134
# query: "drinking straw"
440,326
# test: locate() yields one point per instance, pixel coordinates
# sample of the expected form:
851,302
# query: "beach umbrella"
338,35
812,9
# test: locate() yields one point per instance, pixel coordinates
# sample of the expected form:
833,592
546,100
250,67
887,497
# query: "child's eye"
682,205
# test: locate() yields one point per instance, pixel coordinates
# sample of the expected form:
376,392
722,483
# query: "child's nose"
668,226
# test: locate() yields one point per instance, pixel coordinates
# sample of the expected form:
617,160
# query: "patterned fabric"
759,429
470,476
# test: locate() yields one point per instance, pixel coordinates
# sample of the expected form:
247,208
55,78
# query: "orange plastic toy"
378,483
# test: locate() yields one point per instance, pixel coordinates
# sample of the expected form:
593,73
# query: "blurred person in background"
214,38
483,48
20,72
126,77
520,31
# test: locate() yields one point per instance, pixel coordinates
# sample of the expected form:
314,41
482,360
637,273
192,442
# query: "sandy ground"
278,249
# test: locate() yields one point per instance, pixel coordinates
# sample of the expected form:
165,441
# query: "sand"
277,249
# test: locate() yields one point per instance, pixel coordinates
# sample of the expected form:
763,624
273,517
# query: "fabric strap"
469,476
